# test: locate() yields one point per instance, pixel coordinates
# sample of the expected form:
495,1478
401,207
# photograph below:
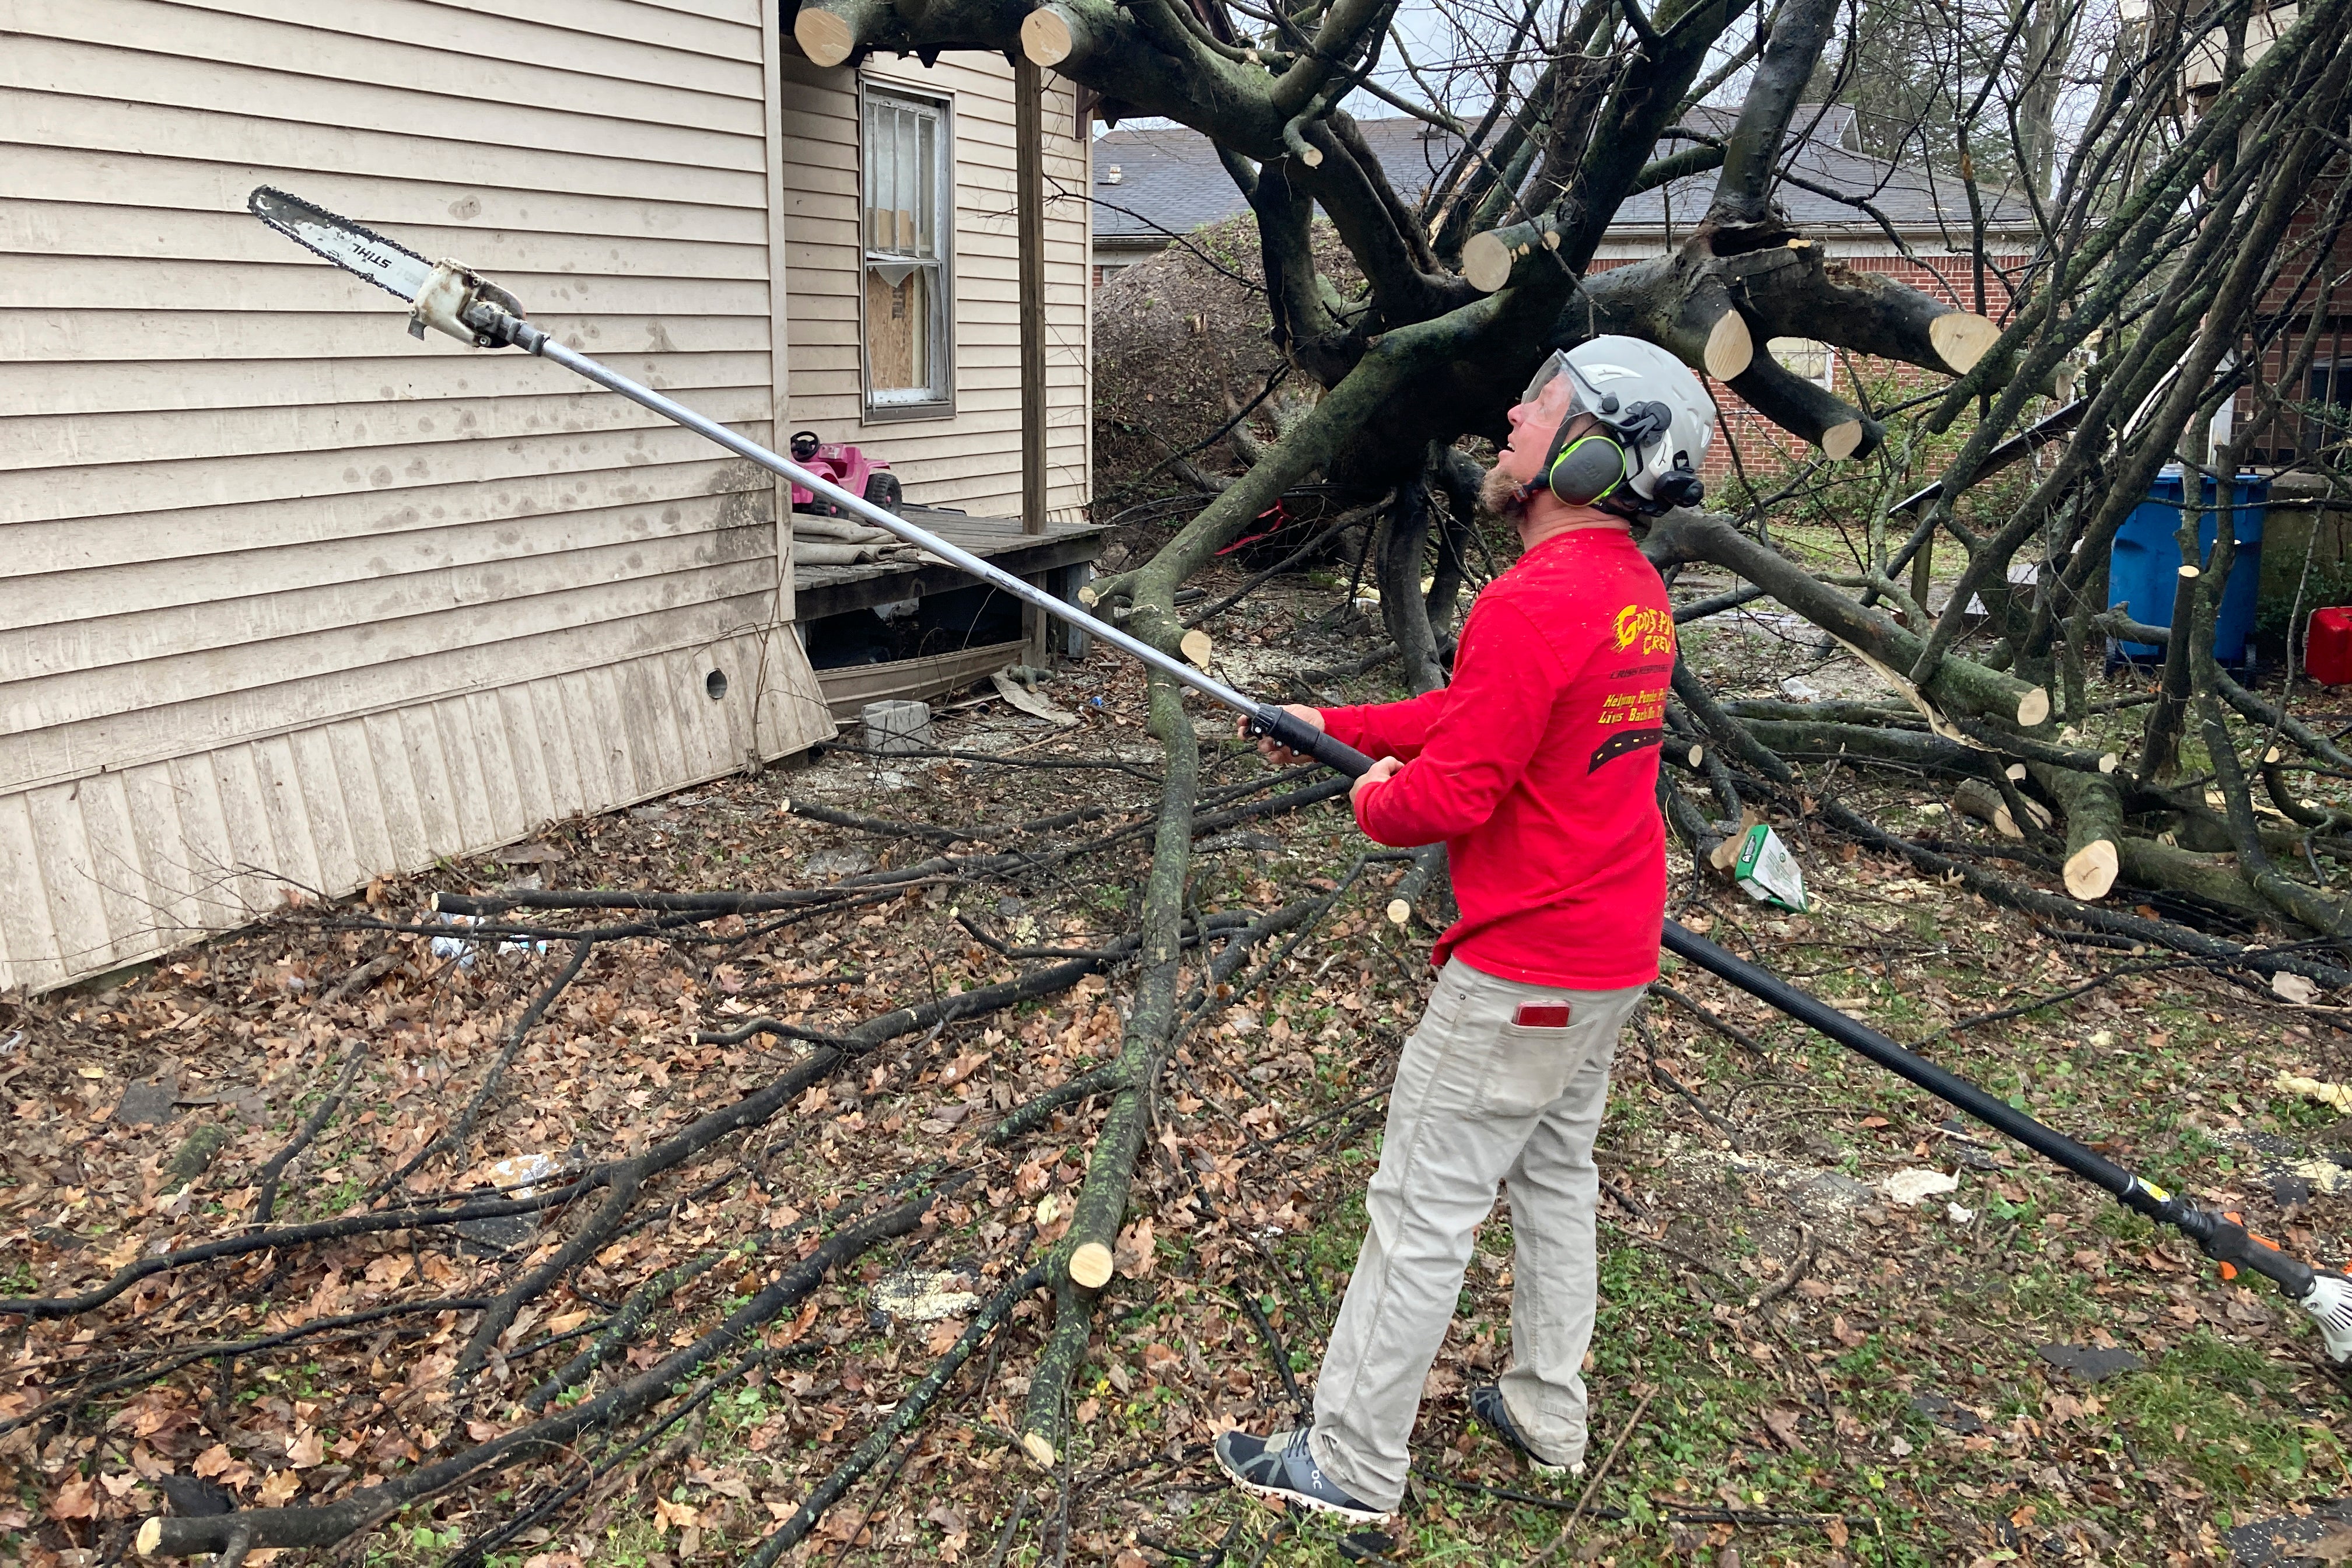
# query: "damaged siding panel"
288,601
972,459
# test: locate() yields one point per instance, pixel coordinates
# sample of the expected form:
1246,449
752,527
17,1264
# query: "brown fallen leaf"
75,1499
953,1534
1132,1255
1781,1422
798,1326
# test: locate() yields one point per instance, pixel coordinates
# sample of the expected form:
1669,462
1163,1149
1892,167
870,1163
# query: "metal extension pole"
2326,1295
451,300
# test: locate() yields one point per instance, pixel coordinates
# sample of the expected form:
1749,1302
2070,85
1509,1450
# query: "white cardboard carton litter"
1767,871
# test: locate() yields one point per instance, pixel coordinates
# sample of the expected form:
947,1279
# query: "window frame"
1826,378
943,406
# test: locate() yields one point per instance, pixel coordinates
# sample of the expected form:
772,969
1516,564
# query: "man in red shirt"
1538,768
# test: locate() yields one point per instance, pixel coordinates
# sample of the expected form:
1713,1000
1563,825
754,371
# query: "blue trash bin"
2145,566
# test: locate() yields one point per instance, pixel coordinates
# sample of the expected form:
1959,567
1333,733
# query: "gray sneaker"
1487,1405
1281,1467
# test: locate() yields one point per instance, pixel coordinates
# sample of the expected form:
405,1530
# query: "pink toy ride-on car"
848,467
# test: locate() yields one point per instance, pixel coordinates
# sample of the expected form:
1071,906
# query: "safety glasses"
1554,363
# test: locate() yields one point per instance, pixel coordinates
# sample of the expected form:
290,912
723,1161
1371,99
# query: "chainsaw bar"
390,266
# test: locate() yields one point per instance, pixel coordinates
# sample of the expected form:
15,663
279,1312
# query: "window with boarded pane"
909,224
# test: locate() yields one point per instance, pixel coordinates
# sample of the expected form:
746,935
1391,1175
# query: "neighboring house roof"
1917,198
1151,182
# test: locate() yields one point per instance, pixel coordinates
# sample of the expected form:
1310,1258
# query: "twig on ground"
1592,1487
1721,1026
1796,1271
455,1136
264,1202
360,979
908,1409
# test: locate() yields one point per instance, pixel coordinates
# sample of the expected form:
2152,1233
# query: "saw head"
454,300
2329,1302
447,296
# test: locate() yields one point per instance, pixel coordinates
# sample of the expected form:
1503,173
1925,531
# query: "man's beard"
1501,495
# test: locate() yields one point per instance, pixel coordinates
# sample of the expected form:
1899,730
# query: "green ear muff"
1586,468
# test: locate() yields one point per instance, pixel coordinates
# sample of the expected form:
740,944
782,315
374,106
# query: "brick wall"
2327,379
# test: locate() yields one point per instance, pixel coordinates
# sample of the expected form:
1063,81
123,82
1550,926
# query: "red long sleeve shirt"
1539,768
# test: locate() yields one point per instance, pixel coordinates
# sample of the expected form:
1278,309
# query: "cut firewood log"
1961,337
1979,800
1731,349
1051,34
830,31
1090,1265
2094,826
2091,870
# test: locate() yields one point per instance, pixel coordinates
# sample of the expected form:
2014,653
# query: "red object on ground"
1539,768
2327,648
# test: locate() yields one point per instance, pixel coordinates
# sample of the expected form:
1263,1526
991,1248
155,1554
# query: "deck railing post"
1029,214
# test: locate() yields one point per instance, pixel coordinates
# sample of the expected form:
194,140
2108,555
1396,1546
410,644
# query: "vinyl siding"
288,600
971,460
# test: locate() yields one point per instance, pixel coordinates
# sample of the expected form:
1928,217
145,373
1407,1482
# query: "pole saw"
448,298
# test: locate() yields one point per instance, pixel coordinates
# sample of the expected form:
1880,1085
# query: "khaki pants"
1478,1099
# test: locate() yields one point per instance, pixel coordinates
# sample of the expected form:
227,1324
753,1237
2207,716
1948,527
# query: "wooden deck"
821,591
1057,559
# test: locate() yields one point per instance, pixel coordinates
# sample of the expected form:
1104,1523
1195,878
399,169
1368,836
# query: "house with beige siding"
289,600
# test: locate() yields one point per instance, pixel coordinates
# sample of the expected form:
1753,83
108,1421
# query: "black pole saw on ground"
450,299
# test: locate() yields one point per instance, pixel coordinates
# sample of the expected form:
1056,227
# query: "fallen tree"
2160,240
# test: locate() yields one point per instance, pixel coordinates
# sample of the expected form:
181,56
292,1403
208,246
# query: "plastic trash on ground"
1908,1189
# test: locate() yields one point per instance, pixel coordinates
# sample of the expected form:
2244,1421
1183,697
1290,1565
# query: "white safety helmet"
1652,424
